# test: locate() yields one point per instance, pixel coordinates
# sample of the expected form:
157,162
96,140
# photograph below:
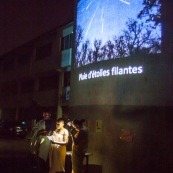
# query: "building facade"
36,76
123,138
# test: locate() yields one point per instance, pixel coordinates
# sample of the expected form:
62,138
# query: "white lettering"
114,72
140,69
82,76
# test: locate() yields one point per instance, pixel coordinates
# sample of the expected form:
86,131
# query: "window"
1,65
48,82
24,59
27,86
66,42
10,88
43,51
9,64
67,75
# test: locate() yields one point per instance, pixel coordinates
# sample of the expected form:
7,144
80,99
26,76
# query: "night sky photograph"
106,28
102,19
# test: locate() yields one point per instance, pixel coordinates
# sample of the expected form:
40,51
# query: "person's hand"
52,142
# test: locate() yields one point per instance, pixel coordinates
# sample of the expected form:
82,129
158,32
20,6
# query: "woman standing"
57,154
79,145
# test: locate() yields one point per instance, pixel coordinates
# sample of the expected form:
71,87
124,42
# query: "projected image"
110,29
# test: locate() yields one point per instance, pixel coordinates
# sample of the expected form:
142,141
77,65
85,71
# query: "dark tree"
120,47
137,38
90,57
97,50
151,11
85,48
78,40
110,50
79,36
107,51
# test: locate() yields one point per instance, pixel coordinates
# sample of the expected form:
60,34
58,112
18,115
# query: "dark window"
10,88
67,75
66,42
1,65
43,51
24,59
27,86
9,64
48,82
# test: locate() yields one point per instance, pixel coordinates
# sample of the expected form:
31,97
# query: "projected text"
114,71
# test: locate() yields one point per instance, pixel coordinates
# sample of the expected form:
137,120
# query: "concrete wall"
131,139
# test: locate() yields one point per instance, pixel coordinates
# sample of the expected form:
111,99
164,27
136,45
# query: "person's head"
59,123
46,115
77,124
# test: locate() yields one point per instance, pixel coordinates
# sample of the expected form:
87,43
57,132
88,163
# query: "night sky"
103,19
24,20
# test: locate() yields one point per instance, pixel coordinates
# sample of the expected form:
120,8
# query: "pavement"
14,156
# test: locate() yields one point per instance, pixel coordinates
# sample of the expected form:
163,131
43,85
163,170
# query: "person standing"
79,145
40,144
40,150
42,123
57,154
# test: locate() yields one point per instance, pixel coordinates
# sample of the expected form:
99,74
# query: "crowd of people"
49,140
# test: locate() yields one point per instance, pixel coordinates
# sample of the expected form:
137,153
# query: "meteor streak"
128,3
92,19
88,5
102,20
